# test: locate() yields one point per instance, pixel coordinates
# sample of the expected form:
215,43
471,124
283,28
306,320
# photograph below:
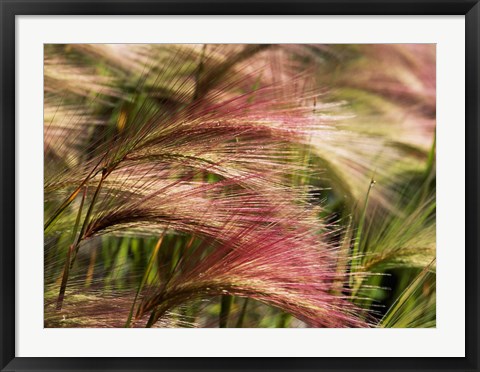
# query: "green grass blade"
144,278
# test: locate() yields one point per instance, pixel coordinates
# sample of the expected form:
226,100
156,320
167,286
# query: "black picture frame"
11,8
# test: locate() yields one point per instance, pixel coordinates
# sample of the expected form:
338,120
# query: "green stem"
144,278
67,266
241,318
342,260
87,217
63,285
358,239
79,214
226,305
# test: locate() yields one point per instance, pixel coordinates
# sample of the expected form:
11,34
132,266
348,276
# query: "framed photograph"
239,185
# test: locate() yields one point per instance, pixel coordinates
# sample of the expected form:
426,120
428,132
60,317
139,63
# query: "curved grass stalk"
400,302
73,249
144,278
67,265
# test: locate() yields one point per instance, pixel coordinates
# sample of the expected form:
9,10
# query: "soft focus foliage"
239,185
